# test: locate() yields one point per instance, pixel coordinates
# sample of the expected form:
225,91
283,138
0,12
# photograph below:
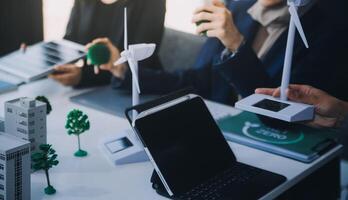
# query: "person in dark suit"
91,19
246,51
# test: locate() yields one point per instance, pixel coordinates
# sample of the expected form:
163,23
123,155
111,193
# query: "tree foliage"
77,122
45,100
45,159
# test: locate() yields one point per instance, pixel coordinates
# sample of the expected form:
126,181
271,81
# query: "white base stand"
123,148
275,108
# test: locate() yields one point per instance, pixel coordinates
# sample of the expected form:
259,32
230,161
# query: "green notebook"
303,143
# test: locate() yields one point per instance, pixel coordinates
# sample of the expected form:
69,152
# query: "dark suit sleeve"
160,82
89,79
317,66
244,71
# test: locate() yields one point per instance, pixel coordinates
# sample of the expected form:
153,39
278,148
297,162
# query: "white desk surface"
94,177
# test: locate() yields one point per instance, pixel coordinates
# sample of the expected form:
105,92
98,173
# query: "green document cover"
301,143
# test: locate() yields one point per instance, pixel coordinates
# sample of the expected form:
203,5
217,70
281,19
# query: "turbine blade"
142,51
120,61
296,20
125,30
133,65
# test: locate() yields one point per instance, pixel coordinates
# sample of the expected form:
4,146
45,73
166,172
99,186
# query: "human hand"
23,47
329,111
218,22
68,75
118,71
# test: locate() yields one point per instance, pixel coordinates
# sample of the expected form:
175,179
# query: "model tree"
76,124
45,100
45,160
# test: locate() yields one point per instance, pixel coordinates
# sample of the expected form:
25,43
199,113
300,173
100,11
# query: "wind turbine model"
124,148
133,54
282,108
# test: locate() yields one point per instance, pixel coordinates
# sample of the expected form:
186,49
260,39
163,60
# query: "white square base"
275,108
123,148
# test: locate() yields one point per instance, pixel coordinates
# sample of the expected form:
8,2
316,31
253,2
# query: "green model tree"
44,160
76,124
45,100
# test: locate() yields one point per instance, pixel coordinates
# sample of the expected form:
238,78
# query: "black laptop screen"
186,144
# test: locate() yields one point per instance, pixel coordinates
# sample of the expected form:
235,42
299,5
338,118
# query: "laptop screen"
186,144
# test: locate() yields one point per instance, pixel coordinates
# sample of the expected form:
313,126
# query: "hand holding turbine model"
282,108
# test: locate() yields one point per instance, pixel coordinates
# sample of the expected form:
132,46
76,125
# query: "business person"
91,19
245,51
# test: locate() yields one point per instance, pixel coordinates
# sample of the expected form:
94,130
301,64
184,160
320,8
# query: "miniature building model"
14,168
26,119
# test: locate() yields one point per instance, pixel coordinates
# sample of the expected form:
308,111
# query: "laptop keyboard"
215,188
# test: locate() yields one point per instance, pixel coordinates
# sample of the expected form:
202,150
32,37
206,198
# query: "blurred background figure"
91,19
245,50
20,22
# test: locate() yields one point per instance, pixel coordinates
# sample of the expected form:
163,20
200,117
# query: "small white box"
275,108
123,148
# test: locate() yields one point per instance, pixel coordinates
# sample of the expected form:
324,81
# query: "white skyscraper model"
124,148
14,168
282,108
26,119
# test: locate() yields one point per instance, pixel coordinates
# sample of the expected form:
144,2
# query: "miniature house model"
26,119
14,168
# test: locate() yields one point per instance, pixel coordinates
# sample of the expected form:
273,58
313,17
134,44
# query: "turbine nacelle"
142,51
138,52
134,54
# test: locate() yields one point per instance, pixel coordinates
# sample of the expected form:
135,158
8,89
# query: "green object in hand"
201,22
98,54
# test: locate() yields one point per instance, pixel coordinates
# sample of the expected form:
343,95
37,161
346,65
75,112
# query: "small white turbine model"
282,108
133,54
124,147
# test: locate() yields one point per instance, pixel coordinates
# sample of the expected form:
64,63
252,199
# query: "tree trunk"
78,140
47,177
